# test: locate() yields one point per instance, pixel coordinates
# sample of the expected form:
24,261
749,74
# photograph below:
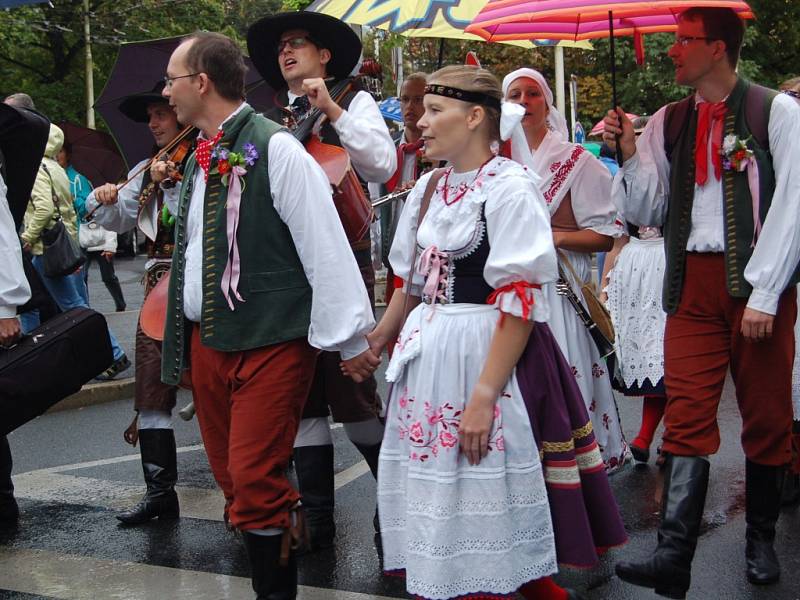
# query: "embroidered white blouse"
517,225
641,190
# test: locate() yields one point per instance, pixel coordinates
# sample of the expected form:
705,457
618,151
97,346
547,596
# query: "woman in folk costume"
632,282
461,490
577,191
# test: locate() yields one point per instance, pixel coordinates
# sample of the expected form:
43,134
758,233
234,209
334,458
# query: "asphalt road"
73,472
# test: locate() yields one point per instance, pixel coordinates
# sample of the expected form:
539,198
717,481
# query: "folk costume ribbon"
710,120
233,267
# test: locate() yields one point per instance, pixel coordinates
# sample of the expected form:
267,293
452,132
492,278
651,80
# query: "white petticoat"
634,301
458,529
590,370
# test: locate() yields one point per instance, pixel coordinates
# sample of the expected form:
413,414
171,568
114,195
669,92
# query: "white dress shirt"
341,314
644,199
14,288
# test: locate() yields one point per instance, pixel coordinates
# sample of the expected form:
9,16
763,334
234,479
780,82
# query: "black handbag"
50,363
62,254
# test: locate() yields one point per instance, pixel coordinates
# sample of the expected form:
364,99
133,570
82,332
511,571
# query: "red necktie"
402,150
710,118
203,152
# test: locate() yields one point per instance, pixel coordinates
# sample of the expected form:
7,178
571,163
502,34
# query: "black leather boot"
314,468
668,570
763,486
159,463
9,511
271,580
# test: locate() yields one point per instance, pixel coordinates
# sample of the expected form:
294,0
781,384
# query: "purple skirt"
586,519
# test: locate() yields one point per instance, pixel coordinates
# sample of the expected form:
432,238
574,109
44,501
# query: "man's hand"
361,367
106,194
476,424
9,331
161,170
618,124
756,325
318,95
109,256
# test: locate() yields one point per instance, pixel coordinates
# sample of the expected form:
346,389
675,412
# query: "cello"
351,202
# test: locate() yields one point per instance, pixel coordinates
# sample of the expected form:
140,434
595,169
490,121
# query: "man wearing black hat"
301,54
149,201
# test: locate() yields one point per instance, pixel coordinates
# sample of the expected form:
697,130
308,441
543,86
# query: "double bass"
351,202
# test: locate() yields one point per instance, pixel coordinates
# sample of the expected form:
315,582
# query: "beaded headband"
463,95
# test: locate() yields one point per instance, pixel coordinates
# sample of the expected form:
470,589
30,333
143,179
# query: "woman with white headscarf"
577,190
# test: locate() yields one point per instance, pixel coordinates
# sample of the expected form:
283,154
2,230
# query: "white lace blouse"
517,225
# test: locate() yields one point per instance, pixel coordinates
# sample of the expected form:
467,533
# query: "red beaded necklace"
467,188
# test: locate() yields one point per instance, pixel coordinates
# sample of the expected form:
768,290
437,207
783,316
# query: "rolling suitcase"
51,363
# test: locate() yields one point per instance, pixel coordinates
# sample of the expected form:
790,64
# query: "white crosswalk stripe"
73,577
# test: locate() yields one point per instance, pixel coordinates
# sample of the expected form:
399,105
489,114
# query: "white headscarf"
555,120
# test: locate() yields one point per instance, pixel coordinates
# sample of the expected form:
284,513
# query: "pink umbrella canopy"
576,20
599,127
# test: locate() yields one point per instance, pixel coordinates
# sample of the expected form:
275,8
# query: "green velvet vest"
273,285
738,209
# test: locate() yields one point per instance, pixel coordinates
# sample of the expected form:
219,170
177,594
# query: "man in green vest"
262,277
718,171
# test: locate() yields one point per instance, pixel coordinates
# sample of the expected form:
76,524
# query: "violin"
175,157
352,204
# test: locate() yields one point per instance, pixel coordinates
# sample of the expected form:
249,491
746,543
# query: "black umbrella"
23,137
139,66
94,154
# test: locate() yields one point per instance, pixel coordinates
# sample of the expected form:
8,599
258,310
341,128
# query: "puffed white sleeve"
592,203
341,313
121,216
363,133
641,186
521,256
402,253
14,288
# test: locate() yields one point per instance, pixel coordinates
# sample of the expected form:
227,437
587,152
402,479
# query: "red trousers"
249,405
701,340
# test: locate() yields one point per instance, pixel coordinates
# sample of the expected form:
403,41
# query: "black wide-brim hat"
135,106
328,32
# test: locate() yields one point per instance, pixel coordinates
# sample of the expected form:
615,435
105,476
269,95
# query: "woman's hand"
361,367
377,341
476,423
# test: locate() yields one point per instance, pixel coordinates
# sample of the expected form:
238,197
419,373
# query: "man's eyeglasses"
792,94
168,81
295,43
683,40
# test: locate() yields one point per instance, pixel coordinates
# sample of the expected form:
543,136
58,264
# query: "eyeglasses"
168,81
295,43
684,40
792,94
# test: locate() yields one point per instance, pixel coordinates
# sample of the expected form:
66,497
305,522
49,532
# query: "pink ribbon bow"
433,265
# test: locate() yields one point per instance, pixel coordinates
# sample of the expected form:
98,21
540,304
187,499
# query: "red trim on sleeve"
520,288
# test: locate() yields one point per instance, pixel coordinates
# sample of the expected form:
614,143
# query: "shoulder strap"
757,106
53,195
566,262
675,118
